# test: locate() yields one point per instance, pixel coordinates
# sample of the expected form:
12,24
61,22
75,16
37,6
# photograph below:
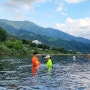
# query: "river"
67,74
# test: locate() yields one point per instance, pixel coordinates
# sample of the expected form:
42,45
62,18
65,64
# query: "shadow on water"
66,74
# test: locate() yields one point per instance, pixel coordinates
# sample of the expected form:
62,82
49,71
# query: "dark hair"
35,53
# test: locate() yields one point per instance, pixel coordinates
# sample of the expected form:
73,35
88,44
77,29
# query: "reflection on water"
34,70
66,74
49,69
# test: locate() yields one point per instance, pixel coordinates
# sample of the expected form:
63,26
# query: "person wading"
35,63
49,64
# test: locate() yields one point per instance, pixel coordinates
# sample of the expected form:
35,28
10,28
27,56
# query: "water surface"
66,74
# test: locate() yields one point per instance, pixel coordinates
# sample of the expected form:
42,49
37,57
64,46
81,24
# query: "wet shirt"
35,61
49,63
34,70
49,66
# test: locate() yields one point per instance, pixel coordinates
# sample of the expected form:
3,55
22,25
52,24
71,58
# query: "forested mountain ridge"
12,26
49,36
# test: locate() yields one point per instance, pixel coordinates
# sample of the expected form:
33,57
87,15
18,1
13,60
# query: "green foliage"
2,34
63,50
26,42
49,36
33,45
43,46
9,44
17,44
4,49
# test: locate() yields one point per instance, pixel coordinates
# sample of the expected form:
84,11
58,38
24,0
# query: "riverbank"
28,51
43,55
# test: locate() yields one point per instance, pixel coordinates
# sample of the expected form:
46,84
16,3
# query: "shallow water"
66,74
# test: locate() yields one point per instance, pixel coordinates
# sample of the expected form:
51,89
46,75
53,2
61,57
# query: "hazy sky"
70,16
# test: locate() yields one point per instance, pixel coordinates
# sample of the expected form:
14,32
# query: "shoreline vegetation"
43,55
23,47
14,46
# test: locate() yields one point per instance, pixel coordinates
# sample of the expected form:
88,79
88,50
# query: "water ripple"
66,74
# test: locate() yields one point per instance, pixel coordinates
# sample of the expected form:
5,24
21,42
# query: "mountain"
12,26
50,36
54,42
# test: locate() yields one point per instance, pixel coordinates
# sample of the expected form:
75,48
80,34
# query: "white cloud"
74,1
26,7
64,14
76,27
21,4
20,9
18,16
62,8
59,9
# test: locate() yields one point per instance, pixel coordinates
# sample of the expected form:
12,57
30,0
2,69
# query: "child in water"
49,63
35,63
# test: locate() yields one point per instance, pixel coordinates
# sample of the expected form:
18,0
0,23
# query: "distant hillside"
49,36
13,26
54,42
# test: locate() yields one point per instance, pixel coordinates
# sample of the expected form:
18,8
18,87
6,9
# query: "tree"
17,44
9,44
33,45
43,46
3,34
63,50
26,42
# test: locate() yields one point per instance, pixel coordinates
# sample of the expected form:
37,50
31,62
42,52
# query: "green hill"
49,36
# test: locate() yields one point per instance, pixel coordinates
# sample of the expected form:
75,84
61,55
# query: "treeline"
10,45
3,35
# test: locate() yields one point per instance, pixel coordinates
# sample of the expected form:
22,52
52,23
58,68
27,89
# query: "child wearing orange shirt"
35,61
35,64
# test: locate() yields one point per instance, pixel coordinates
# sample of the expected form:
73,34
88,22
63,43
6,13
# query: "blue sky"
70,16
